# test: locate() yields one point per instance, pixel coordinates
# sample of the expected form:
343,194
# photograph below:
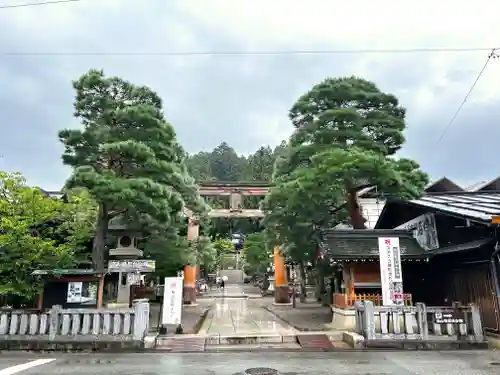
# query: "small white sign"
133,278
172,300
82,292
74,292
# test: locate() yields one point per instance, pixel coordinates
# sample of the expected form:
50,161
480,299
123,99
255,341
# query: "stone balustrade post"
423,326
369,320
359,308
141,319
54,319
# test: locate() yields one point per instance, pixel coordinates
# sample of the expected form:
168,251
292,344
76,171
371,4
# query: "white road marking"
25,366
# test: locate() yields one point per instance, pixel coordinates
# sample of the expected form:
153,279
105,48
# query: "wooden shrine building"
458,231
357,251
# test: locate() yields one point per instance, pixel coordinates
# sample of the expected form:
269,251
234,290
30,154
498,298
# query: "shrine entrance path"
233,314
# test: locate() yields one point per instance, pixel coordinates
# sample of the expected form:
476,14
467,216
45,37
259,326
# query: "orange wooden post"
280,279
189,284
190,272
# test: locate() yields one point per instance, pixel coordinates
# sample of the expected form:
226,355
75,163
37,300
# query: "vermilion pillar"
190,272
280,279
189,291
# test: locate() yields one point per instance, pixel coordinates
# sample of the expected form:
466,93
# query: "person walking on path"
223,281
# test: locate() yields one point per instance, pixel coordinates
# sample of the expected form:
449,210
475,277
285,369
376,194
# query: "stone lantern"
126,259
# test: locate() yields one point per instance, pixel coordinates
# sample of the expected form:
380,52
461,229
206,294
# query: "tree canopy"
39,232
127,156
224,164
257,254
346,135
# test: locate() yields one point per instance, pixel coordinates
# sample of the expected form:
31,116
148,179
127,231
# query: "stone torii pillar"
235,201
280,280
190,272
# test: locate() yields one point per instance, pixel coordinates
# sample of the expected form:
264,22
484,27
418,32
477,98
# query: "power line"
492,55
255,53
25,5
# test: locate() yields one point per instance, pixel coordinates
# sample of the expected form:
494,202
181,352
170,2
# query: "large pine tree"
126,155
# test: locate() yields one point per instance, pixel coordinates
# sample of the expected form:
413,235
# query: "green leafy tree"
77,225
26,244
199,166
169,248
260,165
127,156
225,252
203,253
293,213
280,150
256,254
349,127
346,135
225,164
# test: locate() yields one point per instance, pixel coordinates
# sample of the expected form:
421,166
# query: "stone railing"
76,325
425,323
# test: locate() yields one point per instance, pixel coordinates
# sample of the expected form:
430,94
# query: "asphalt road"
353,363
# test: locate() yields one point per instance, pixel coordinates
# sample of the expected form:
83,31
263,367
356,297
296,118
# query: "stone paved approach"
191,317
232,316
234,290
306,317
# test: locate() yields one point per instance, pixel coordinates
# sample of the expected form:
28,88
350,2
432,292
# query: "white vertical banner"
172,300
385,270
391,273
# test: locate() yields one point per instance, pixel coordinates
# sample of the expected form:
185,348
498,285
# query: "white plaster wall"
371,208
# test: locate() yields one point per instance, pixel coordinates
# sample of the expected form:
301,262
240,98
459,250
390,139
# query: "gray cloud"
239,99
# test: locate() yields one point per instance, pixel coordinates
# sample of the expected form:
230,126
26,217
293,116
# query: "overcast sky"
244,100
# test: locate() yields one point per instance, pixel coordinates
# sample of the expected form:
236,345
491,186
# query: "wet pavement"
233,316
191,317
305,317
234,290
346,363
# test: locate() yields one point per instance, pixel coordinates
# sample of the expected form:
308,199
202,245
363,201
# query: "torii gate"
236,191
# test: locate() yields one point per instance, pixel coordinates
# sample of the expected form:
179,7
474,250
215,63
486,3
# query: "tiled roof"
363,243
476,186
478,206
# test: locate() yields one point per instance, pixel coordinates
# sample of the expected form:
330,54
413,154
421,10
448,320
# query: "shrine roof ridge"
365,233
262,184
345,244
